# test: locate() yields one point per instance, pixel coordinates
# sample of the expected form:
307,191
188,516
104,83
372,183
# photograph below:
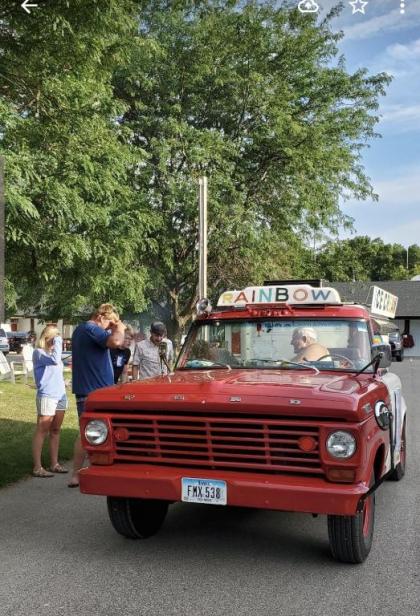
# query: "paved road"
60,555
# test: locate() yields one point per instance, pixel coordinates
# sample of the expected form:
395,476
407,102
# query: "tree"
364,258
257,98
74,221
112,109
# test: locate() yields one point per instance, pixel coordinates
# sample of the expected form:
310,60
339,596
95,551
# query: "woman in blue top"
51,400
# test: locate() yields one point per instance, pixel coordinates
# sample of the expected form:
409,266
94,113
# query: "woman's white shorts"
48,406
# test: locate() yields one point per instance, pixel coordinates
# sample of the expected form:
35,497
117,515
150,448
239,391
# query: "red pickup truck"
280,399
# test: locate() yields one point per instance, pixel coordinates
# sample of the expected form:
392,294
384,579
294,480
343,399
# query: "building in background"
407,318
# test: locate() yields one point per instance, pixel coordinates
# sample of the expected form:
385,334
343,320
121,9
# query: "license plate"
206,491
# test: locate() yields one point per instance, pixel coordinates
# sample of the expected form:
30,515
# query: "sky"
385,39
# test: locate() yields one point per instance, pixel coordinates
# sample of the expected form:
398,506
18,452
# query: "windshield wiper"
286,361
295,363
375,361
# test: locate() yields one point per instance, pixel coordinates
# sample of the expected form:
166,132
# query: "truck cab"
280,399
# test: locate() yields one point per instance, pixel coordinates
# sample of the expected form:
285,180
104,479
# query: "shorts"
47,407
80,404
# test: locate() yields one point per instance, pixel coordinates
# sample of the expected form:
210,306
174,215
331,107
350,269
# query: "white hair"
309,332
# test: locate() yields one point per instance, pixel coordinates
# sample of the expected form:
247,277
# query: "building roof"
407,291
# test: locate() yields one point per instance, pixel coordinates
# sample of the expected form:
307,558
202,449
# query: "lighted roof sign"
286,294
384,303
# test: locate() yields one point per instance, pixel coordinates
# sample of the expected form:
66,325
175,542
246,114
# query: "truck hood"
285,392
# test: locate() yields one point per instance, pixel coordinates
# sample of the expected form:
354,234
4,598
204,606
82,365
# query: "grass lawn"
17,423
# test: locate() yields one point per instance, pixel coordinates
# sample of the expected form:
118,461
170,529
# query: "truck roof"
342,311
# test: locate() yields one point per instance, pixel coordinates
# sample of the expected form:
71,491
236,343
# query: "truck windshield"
277,344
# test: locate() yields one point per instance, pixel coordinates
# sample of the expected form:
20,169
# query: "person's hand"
117,326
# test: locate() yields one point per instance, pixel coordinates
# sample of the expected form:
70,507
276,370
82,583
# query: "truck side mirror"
386,354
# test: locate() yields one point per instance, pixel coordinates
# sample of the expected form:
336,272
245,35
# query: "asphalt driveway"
60,555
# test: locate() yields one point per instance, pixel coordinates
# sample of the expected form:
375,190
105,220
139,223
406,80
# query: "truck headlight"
341,444
96,432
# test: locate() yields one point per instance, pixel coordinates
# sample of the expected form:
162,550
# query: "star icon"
358,6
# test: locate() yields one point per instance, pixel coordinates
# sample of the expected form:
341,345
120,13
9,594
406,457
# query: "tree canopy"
363,258
258,99
110,112
73,218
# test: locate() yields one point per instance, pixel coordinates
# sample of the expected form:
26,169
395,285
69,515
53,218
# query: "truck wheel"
351,536
136,518
399,471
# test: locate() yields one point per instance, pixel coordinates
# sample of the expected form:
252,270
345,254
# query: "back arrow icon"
26,6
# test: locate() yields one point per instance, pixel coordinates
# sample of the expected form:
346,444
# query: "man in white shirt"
306,346
147,361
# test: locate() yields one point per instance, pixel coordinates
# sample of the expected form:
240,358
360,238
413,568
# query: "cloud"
405,234
400,111
401,117
392,20
399,60
404,53
385,40
403,189
396,218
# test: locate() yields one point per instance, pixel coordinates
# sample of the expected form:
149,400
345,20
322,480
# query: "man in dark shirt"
121,356
91,364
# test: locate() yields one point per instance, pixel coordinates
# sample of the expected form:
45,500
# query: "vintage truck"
252,417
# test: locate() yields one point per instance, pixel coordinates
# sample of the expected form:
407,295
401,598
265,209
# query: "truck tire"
351,536
136,518
399,471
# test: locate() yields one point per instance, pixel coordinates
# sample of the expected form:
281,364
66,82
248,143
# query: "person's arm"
124,374
49,359
170,355
116,338
136,361
315,352
104,337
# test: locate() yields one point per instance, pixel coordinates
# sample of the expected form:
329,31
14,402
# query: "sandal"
58,469
41,472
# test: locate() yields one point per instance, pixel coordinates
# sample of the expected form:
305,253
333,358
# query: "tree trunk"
180,316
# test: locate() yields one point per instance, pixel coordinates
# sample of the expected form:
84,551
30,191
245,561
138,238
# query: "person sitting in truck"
201,350
205,353
306,346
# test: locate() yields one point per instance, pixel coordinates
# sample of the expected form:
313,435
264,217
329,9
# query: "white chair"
22,365
27,352
18,368
5,369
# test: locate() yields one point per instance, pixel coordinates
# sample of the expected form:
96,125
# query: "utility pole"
406,266
2,239
202,271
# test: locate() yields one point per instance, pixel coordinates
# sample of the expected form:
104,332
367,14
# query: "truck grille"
242,444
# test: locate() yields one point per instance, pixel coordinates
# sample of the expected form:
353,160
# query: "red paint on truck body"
240,426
